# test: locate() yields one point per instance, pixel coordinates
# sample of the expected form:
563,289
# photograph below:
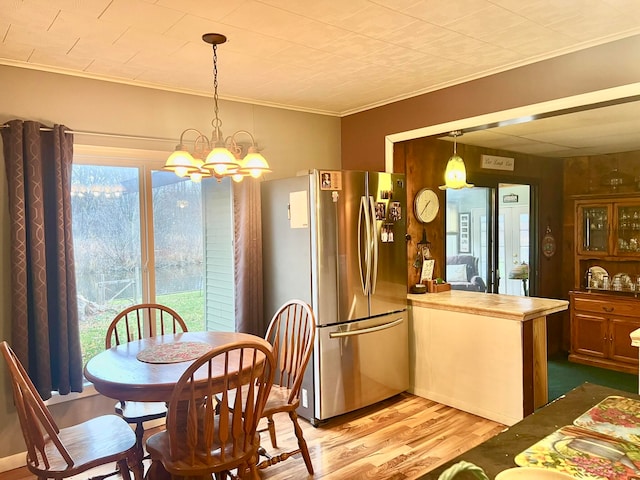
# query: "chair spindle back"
291,333
143,320
224,431
36,421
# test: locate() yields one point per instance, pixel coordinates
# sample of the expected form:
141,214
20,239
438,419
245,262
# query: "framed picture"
465,233
427,270
395,211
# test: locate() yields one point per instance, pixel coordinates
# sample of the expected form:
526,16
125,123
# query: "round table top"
119,373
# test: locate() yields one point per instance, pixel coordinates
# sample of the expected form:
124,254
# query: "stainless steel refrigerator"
336,239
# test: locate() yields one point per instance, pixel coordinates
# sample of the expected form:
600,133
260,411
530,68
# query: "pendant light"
455,175
217,157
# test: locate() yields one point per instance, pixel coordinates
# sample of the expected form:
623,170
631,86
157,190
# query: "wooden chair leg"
301,441
157,471
253,471
272,431
137,468
124,470
139,443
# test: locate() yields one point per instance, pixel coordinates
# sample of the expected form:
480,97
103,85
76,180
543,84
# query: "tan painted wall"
292,141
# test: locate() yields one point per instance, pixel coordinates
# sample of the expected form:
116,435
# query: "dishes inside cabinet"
621,281
597,275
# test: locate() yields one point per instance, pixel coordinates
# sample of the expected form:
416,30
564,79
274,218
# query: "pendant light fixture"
219,156
455,175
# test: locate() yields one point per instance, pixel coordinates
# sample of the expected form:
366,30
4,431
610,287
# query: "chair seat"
87,446
278,401
135,412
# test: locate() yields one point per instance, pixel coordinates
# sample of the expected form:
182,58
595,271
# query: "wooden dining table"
148,369
120,374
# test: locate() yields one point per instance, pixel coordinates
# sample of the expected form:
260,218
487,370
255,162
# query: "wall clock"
426,205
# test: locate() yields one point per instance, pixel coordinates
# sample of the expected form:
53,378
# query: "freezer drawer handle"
351,333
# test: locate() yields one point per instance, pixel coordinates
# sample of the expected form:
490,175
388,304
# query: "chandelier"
218,156
455,175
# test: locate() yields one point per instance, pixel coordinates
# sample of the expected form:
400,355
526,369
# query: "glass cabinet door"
594,228
628,229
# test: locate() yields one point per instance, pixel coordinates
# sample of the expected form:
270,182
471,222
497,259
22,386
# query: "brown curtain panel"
248,257
45,333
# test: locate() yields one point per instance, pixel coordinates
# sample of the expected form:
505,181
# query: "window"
144,235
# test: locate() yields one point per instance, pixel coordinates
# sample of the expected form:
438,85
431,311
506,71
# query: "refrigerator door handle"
362,331
364,276
373,245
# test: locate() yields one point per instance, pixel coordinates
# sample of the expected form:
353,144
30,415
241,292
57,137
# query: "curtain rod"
108,135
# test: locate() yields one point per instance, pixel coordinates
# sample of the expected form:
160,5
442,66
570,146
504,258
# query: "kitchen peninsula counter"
482,353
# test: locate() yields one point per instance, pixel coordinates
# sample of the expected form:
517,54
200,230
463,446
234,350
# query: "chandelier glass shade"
217,156
455,175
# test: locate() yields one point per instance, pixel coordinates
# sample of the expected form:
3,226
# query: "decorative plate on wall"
548,243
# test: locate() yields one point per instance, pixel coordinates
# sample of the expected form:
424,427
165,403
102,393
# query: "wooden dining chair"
134,323
204,436
291,333
54,452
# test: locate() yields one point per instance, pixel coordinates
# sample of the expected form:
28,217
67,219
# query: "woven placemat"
174,352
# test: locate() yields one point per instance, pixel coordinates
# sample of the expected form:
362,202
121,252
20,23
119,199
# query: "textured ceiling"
332,56
605,130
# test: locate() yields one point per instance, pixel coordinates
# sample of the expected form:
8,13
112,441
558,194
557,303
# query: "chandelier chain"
216,122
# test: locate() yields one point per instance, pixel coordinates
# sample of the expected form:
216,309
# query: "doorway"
488,229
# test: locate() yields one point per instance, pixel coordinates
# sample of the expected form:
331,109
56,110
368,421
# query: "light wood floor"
400,439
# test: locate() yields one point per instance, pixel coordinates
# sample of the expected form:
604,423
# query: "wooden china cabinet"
605,303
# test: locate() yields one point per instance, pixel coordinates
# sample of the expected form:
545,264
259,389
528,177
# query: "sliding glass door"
145,235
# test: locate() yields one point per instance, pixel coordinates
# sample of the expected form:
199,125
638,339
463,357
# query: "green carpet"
564,376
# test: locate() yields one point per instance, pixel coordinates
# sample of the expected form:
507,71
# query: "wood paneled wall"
424,161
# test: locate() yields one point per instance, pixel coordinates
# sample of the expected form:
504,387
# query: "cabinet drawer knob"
608,309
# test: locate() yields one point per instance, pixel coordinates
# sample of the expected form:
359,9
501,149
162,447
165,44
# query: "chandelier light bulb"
255,164
221,161
196,177
181,171
181,162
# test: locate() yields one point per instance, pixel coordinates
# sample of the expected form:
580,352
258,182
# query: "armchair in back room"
462,273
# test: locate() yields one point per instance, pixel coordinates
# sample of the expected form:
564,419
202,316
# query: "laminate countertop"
510,307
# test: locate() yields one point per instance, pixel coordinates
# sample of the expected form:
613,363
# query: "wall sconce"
455,175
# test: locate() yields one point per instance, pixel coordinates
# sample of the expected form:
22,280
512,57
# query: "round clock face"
426,205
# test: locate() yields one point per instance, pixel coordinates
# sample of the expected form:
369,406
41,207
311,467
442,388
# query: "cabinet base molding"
603,363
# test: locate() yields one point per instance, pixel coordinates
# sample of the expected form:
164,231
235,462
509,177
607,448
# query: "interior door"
491,222
470,232
513,249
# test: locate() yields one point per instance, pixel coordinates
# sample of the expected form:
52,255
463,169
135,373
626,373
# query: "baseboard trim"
12,462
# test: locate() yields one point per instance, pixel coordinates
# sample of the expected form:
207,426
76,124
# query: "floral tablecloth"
603,443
